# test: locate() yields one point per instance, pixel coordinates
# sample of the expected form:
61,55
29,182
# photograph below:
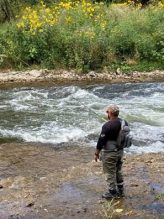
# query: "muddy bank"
40,181
47,77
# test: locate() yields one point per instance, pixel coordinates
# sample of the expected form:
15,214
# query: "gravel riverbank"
41,181
47,77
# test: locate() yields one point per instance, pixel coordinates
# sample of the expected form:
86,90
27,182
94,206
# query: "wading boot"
110,194
120,191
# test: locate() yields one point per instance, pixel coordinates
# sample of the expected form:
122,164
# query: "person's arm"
101,141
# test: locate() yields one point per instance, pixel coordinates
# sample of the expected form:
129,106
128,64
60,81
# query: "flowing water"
74,114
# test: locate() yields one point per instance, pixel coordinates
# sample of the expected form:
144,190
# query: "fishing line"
89,109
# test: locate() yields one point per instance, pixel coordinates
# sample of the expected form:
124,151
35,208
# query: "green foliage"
123,37
139,35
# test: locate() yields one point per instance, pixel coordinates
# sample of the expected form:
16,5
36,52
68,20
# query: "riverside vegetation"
85,36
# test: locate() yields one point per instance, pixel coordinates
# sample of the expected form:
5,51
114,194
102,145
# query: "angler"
113,138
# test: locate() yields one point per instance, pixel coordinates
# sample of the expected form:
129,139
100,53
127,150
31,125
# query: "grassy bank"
85,36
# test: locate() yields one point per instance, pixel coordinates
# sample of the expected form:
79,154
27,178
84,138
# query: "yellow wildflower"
161,5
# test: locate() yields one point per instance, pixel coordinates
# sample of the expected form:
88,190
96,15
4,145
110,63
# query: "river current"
75,114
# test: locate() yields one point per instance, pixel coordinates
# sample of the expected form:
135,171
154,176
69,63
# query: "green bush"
119,34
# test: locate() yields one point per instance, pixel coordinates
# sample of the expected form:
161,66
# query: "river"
74,114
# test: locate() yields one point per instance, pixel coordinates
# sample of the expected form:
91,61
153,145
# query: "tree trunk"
5,6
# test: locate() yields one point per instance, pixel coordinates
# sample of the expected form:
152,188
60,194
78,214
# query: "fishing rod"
91,110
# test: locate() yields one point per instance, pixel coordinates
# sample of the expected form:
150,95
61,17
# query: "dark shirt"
110,131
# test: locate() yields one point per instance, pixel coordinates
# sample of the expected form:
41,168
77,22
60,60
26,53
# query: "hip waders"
112,167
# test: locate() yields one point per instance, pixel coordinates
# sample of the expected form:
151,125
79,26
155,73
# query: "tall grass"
84,36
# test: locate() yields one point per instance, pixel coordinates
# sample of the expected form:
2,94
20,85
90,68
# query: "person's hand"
96,156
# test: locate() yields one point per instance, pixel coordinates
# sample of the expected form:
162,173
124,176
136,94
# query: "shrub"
83,35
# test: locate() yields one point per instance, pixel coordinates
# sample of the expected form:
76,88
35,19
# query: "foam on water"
53,135
71,113
157,147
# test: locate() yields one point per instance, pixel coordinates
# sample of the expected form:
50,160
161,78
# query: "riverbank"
42,181
46,77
